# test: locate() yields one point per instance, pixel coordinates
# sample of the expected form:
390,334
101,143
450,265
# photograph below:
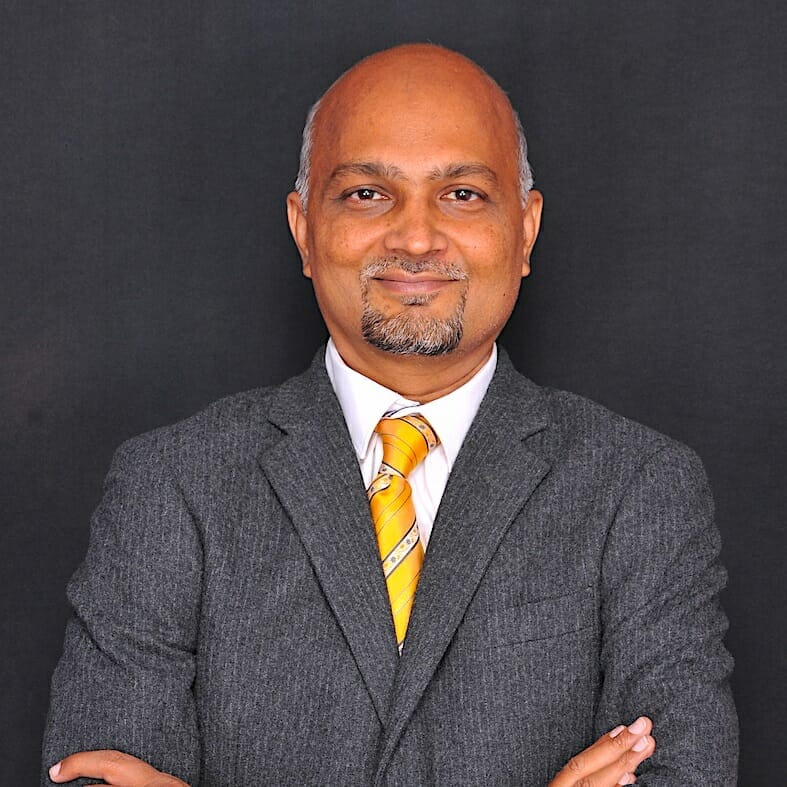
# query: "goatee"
411,332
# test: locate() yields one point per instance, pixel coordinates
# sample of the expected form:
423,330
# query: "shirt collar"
364,402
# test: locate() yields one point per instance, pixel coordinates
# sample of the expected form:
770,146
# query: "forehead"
415,117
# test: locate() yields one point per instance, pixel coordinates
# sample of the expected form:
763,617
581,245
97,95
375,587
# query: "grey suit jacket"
231,623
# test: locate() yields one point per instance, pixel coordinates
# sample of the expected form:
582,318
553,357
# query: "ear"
531,222
296,217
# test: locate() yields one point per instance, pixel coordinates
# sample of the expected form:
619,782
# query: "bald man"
531,597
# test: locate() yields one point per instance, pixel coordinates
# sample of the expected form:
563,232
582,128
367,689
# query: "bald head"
421,77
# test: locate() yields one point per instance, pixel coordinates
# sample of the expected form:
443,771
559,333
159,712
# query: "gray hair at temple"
302,181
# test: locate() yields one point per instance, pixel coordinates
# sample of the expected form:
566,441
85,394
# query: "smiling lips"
403,283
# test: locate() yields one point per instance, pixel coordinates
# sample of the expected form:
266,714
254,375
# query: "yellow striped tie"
406,441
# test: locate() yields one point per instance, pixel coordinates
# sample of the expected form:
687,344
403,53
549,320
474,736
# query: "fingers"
621,770
114,767
611,760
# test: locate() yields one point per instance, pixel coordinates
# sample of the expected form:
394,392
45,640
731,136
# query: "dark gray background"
147,269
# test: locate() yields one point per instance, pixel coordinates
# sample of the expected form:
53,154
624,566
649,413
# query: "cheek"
346,243
499,267
495,263
335,262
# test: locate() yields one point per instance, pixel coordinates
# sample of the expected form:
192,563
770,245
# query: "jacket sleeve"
125,678
662,652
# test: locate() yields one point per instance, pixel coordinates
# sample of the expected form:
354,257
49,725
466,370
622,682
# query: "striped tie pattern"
406,441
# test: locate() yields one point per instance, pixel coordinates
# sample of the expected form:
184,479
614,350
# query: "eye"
364,195
463,195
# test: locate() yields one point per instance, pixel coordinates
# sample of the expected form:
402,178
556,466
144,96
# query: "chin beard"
412,333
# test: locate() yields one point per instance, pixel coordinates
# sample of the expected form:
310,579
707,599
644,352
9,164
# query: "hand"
114,767
611,760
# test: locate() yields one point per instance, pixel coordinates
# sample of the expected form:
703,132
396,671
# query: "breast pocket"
532,621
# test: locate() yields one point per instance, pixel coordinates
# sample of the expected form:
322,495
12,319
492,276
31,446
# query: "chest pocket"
541,619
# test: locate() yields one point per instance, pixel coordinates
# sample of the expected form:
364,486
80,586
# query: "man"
550,570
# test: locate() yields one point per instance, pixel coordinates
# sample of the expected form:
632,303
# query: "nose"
415,230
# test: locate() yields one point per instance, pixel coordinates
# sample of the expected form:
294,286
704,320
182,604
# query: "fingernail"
641,744
626,778
614,733
638,726
54,770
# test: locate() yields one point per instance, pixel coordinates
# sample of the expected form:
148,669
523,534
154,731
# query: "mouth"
400,282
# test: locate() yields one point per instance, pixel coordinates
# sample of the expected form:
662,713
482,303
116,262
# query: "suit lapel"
494,475
315,475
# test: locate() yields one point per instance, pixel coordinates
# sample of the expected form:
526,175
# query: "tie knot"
406,441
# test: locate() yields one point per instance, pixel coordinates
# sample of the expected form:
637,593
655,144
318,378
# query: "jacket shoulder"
583,424
228,430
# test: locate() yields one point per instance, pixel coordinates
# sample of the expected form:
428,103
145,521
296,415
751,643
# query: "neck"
418,377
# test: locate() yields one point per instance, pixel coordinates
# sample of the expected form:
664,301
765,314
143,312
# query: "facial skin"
415,238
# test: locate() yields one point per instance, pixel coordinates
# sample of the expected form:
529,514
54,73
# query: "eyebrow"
462,170
374,169
392,172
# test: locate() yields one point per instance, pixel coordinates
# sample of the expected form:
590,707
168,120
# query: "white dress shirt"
364,402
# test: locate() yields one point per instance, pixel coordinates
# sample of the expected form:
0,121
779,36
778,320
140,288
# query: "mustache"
412,265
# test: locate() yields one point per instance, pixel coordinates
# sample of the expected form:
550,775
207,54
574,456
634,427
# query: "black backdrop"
146,266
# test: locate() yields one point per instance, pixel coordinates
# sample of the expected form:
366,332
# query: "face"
415,237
